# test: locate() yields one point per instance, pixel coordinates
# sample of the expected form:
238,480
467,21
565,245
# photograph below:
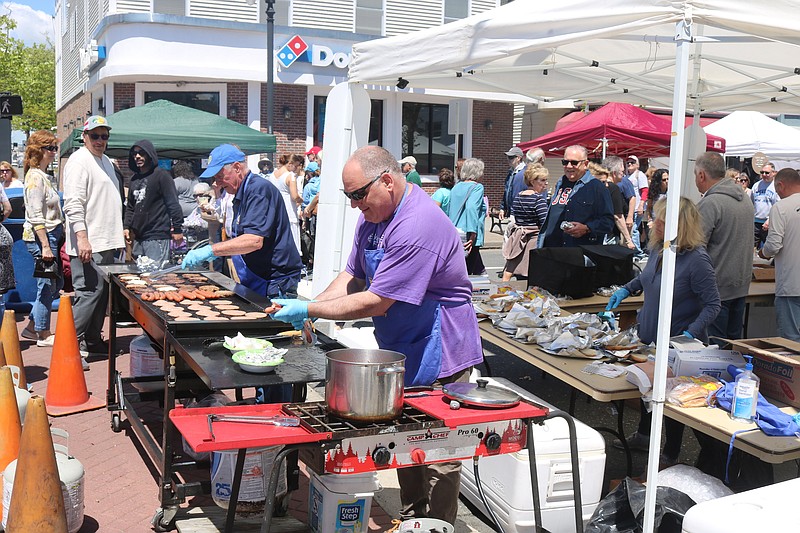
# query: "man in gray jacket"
727,214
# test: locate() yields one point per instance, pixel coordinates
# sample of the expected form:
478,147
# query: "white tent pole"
683,37
605,147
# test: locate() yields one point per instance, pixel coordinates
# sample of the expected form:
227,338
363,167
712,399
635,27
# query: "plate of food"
241,343
259,361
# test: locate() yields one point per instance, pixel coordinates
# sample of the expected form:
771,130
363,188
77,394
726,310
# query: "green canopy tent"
176,131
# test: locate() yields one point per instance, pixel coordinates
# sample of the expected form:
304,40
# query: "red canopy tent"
623,128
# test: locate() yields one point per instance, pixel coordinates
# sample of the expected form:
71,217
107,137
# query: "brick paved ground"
121,488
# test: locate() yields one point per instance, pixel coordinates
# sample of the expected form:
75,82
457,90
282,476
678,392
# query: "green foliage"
28,71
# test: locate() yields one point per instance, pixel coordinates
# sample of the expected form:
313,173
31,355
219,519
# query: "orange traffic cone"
10,337
37,503
2,353
66,386
10,426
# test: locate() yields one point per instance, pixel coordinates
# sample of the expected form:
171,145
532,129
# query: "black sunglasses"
766,172
573,162
361,193
95,136
50,148
138,152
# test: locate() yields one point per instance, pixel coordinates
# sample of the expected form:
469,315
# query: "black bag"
562,271
614,263
45,269
622,510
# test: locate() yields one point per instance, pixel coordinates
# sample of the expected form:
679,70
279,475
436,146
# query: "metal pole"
270,65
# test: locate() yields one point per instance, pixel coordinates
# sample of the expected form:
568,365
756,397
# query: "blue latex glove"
617,298
197,257
687,334
294,312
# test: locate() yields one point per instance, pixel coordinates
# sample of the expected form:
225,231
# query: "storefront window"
425,136
169,7
454,10
208,102
369,17
375,121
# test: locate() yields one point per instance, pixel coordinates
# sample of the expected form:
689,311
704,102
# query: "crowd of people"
413,282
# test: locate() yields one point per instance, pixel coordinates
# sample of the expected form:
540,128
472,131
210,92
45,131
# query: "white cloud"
32,26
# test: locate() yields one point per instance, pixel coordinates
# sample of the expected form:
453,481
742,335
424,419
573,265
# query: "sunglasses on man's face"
573,162
766,172
361,193
138,152
96,136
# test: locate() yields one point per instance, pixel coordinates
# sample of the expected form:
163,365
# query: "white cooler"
506,479
766,509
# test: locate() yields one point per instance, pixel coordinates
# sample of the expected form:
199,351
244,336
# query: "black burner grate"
314,416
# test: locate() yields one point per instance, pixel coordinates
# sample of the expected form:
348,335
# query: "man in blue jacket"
580,210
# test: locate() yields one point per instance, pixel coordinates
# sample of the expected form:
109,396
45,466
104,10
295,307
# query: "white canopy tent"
748,132
709,55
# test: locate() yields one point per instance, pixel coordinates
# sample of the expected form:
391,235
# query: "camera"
566,225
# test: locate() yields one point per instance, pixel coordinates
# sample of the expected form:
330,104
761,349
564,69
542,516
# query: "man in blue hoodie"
153,214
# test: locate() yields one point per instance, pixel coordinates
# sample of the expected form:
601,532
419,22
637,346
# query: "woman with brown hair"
43,231
285,179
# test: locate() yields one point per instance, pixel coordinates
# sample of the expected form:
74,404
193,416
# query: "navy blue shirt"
626,187
258,209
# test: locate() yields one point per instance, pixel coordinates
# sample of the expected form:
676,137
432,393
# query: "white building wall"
334,15
404,16
133,6
233,10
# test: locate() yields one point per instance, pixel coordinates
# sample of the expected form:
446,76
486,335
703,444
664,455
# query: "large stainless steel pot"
364,385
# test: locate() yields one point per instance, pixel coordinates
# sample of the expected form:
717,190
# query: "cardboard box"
775,360
763,273
688,357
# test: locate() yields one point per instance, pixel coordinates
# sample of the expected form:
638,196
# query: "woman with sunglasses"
9,176
659,183
43,231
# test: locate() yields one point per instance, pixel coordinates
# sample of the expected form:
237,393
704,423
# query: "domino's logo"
291,51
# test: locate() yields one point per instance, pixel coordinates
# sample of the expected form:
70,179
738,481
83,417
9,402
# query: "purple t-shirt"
423,259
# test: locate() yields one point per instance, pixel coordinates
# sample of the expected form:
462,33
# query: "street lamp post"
270,64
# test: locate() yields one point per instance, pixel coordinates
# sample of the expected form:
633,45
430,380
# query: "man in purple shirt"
413,283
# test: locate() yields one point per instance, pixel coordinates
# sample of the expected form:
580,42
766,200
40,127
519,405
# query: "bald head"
372,180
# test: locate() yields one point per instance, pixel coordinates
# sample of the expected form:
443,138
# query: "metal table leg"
230,516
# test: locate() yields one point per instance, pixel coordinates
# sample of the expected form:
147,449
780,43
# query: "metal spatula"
163,272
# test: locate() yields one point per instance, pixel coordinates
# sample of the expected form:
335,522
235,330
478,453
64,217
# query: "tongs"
308,333
163,272
277,420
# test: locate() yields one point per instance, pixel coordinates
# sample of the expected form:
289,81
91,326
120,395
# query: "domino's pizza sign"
297,50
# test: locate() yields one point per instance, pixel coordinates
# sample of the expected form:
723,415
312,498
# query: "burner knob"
418,456
381,456
493,441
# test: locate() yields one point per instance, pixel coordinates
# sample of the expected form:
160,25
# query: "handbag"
45,269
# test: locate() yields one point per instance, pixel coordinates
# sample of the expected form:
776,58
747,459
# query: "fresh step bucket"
341,503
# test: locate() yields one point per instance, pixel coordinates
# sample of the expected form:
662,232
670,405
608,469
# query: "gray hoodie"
727,214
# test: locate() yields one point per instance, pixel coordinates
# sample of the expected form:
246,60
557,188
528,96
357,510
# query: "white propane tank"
22,395
145,361
71,474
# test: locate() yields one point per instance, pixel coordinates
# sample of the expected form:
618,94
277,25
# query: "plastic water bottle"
745,394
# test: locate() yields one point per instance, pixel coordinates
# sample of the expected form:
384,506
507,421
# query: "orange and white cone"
9,335
66,385
37,503
10,426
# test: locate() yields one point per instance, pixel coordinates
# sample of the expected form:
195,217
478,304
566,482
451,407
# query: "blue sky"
33,17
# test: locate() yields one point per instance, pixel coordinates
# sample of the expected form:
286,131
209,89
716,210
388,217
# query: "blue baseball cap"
220,156
312,167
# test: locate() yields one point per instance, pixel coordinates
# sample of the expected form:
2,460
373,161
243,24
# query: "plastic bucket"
427,525
341,503
258,466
